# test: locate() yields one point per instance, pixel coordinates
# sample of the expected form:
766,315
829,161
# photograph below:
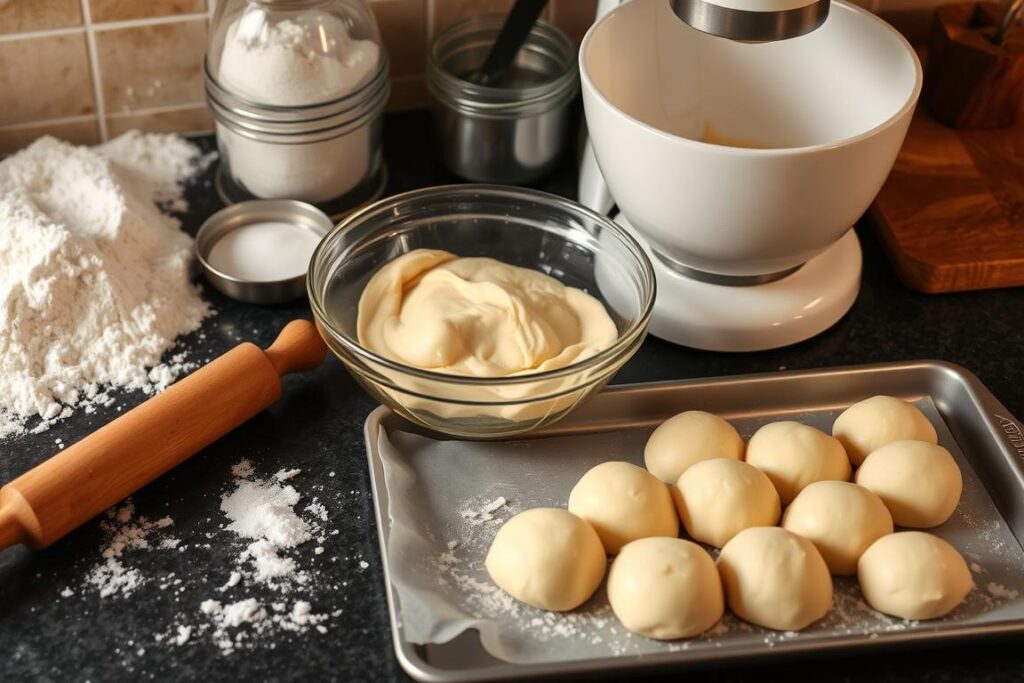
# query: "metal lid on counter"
258,251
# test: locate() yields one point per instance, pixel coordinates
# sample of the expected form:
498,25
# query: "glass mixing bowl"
521,227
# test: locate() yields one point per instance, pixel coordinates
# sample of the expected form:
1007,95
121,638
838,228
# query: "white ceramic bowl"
834,107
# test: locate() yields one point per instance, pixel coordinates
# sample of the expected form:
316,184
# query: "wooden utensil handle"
75,485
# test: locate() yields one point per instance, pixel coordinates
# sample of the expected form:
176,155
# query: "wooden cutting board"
951,214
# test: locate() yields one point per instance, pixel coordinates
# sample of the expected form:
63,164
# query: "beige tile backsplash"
120,10
45,78
147,67
86,70
18,16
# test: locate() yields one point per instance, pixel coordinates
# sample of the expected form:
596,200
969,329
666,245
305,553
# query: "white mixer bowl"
833,108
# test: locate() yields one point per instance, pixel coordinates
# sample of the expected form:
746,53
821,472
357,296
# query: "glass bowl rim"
470,191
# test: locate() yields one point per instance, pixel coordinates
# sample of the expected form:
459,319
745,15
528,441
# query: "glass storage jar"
297,88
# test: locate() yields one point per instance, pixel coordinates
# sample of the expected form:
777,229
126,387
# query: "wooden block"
971,82
951,214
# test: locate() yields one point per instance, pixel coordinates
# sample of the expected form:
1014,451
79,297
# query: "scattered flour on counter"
95,281
263,510
183,635
998,590
123,532
258,600
483,514
285,475
239,624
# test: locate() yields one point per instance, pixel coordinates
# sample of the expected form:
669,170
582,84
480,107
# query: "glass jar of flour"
297,88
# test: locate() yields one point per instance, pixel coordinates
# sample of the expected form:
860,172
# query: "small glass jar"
297,88
512,132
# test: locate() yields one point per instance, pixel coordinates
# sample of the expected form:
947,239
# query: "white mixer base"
756,317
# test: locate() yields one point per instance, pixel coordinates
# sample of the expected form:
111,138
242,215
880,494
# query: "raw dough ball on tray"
913,575
876,421
688,438
774,578
719,498
794,455
548,558
665,588
624,502
919,482
841,519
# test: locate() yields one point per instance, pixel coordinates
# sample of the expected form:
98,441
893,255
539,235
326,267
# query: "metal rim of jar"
302,132
242,109
471,98
304,135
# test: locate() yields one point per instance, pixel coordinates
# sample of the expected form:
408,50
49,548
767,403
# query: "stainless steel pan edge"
994,430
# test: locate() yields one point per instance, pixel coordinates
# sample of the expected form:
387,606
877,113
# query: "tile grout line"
105,26
78,118
94,63
165,109
42,33
150,21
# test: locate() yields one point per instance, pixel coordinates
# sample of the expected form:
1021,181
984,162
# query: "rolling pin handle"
297,348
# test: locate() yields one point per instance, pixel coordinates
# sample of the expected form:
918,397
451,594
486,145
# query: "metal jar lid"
239,215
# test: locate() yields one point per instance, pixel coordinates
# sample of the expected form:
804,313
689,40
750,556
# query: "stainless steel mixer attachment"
756,21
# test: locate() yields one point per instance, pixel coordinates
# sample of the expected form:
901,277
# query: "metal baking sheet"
988,527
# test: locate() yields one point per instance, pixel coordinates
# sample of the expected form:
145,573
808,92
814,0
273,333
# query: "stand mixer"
740,146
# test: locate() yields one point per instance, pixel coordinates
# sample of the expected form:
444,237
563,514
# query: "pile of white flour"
94,280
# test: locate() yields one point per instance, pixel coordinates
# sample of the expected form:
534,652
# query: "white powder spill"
95,281
997,590
265,518
484,514
264,511
183,635
244,623
285,475
124,532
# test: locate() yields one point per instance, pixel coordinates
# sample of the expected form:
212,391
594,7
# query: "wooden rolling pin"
110,464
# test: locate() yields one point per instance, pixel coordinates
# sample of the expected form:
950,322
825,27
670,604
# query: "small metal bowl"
246,213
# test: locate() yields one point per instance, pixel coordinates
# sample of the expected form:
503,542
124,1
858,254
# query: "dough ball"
687,438
841,520
794,455
624,502
548,558
918,481
876,421
719,498
665,588
913,575
774,578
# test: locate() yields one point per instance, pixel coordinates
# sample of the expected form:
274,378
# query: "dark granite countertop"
52,627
